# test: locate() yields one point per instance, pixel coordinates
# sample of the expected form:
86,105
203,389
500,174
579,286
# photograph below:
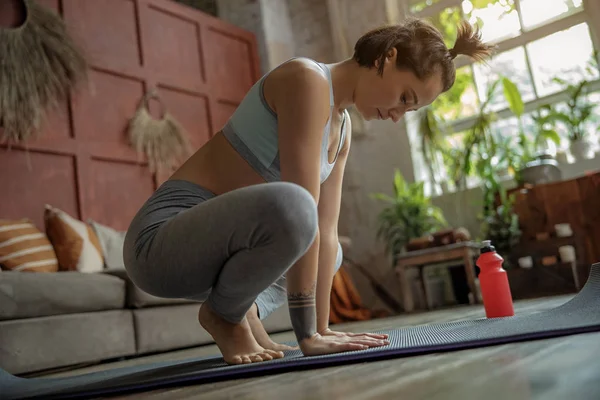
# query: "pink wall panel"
116,192
30,180
82,163
102,111
172,49
191,112
107,30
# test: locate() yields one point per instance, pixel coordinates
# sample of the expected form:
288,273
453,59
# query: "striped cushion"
25,248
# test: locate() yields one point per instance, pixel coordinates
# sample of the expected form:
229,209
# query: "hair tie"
453,53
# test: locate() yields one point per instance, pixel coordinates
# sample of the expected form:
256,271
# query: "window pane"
498,19
419,5
563,54
510,64
447,22
505,128
536,12
461,100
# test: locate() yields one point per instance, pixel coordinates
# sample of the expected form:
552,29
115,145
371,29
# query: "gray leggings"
230,250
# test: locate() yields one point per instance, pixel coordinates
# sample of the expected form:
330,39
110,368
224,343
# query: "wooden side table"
464,251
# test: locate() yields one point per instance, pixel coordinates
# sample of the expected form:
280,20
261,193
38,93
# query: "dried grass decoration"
163,141
39,65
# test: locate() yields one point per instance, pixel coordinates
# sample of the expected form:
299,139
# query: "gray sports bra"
252,131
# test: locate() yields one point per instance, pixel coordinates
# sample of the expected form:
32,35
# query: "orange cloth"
346,304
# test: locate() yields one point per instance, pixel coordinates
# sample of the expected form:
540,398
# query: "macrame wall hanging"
163,141
39,65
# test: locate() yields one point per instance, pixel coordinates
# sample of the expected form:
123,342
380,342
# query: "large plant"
543,130
501,225
579,109
409,214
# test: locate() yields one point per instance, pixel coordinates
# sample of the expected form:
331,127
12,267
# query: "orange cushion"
75,242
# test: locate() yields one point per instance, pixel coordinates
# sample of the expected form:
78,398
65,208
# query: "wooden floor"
565,368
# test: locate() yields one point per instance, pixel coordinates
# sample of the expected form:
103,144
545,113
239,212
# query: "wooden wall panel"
102,111
191,111
172,49
57,122
108,30
116,192
29,180
82,163
233,79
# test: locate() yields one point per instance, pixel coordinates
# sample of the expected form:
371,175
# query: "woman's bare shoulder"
298,76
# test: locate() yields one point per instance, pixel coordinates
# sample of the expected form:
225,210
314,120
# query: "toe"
256,358
275,354
266,356
246,360
236,360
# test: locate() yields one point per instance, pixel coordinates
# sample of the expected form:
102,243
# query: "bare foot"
236,342
261,335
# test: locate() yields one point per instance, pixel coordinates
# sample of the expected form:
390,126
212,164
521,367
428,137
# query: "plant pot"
581,149
543,170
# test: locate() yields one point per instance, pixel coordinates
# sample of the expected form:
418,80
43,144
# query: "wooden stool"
464,251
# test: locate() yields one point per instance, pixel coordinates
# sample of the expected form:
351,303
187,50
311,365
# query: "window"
537,41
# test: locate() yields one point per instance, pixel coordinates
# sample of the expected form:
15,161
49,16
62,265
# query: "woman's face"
391,95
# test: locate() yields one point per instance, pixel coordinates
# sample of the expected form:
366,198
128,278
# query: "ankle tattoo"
303,313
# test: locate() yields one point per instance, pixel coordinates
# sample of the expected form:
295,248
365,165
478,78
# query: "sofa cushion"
25,248
137,298
168,328
27,295
75,242
35,344
111,242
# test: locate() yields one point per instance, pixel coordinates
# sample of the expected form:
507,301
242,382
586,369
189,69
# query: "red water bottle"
495,290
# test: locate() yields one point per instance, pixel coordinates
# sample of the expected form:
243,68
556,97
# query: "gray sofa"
54,320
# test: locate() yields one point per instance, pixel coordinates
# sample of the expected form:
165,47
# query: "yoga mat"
581,314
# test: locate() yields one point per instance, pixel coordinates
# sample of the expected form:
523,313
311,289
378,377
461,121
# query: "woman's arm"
329,211
301,102
300,98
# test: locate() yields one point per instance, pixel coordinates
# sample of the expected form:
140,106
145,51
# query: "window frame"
589,14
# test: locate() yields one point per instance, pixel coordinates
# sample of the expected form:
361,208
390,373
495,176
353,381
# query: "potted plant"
578,112
480,149
409,214
500,223
533,163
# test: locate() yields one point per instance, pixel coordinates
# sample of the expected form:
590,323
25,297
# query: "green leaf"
550,134
513,96
399,183
382,197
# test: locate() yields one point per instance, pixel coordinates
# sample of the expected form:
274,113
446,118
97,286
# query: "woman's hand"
319,344
329,332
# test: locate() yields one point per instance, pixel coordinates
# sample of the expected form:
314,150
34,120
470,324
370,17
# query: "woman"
251,218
